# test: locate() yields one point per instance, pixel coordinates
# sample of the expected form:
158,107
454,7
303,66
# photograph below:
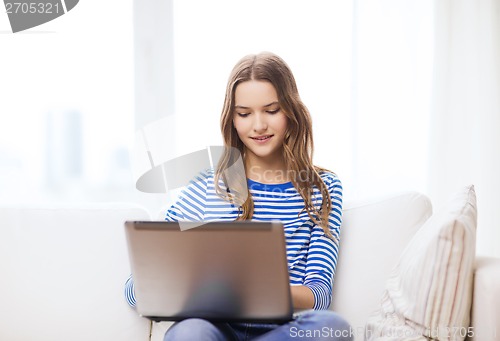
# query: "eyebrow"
265,106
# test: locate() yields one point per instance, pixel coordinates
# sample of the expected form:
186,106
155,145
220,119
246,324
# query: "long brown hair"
298,143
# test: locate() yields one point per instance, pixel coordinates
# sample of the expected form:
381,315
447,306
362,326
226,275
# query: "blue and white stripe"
312,257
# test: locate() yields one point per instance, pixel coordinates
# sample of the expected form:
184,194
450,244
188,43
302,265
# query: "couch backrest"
373,236
63,271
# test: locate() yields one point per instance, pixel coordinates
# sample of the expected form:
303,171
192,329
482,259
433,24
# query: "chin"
265,154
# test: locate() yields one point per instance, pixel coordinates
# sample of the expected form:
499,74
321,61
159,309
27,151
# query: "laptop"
218,271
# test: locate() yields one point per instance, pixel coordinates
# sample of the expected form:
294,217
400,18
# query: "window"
66,108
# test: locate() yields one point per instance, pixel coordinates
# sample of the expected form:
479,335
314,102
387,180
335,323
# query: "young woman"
265,120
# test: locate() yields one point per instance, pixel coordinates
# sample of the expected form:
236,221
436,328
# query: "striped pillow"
428,294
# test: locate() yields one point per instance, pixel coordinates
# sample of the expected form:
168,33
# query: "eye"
272,112
242,114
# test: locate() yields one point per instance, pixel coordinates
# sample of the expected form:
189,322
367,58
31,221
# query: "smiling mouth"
262,138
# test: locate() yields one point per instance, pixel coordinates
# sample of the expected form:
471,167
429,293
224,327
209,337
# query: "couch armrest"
485,314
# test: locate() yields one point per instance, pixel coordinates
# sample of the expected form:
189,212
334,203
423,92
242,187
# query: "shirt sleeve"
190,206
323,251
130,292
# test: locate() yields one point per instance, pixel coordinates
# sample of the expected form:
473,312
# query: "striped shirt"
311,255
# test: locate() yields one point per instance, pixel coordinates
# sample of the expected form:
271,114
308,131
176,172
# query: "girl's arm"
323,251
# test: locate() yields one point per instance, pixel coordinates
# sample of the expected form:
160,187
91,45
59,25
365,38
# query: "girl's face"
259,120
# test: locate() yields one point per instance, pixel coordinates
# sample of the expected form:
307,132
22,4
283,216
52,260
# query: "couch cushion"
373,236
63,274
428,294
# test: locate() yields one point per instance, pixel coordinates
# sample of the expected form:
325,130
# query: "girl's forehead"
256,92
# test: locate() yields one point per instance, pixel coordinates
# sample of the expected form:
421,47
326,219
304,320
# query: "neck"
266,170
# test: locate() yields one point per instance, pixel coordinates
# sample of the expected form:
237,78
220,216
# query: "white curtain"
465,115
392,78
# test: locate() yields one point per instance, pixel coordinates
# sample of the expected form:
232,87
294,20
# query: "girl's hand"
302,297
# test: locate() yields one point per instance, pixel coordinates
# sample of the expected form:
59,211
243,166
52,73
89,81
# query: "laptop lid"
219,271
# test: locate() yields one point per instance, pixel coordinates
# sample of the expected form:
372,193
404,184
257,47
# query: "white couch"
63,270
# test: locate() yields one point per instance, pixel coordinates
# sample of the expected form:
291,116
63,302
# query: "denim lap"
310,325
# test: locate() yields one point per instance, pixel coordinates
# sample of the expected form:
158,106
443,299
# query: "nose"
260,123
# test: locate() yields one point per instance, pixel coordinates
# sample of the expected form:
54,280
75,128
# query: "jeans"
310,325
